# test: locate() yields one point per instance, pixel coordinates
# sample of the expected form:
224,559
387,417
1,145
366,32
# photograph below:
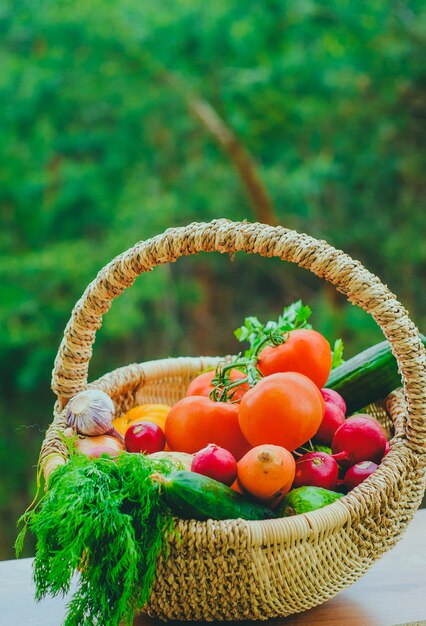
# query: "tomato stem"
247,364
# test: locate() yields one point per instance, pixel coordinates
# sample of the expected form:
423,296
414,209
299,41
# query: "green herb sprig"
258,335
105,518
294,316
337,354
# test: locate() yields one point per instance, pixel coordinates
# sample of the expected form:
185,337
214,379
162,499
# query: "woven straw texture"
234,570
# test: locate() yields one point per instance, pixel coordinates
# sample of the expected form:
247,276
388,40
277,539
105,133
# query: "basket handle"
348,276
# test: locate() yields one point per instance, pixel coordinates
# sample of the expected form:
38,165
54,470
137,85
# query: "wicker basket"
234,570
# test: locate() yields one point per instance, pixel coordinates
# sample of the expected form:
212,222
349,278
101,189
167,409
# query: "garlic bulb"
91,413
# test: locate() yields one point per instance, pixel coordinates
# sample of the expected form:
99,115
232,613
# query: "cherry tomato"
196,421
202,384
284,409
304,351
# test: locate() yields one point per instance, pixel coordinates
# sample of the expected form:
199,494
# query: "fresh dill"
105,519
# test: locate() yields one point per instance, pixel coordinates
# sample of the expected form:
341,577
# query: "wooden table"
392,592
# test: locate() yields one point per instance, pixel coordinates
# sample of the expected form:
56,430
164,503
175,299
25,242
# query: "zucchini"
367,377
193,496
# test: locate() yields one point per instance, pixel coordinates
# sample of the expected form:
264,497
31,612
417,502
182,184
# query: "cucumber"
305,499
367,377
193,496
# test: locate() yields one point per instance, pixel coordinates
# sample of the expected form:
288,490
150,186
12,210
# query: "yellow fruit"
155,413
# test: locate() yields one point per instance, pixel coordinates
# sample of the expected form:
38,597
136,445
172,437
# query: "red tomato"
305,351
202,384
284,409
196,421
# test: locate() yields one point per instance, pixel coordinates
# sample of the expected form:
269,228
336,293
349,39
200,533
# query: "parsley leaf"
337,354
294,316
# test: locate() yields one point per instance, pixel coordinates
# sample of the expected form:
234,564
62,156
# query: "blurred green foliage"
98,150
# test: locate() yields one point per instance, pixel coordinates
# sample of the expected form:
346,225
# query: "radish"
360,438
333,418
358,473
387,449
215,462
330,395
316,469
145,437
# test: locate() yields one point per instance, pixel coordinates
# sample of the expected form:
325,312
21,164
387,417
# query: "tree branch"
233,147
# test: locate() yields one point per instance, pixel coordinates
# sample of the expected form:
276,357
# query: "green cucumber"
367,377
306,499
193,496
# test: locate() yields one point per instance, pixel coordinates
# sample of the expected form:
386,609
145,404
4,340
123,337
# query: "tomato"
284,409
266,470
202,384
305,351
196,421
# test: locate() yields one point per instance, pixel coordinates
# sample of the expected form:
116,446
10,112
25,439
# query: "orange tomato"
155,413
271,502
284,409
202,384
196,421
266,470
237,487
279,496
305,351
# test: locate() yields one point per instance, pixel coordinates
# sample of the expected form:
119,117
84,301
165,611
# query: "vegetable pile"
263,436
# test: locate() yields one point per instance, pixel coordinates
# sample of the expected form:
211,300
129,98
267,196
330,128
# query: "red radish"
387,449
360,438
340,487
330,395
215,462
358,473
316,469
333,418
145,437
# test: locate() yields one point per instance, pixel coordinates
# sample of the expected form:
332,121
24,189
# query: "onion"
91,445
